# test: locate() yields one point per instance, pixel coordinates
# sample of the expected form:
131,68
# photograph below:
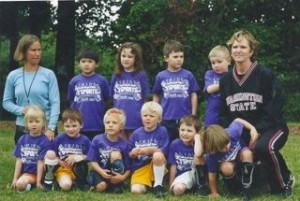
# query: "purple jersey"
101,148
181,155
141,138
213,100
88,94
129,90
175,89
31,149
65,145
234,130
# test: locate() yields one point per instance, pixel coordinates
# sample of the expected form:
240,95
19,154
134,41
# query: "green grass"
7,162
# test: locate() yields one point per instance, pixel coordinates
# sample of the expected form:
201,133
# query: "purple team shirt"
235,131
65,145
141,138
213,100
101,148
175,89
88,94
129,90
181,155
31,149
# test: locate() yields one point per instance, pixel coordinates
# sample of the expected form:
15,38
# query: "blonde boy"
108,154
148,147
219,58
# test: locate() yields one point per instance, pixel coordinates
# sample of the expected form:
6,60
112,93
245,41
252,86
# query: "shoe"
246,194
202,190
159,191
288,190
49,186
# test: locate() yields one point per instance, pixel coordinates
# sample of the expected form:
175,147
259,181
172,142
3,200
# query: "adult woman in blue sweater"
31,84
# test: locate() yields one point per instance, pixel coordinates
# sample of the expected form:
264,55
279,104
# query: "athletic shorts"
144,175
60,172
187,178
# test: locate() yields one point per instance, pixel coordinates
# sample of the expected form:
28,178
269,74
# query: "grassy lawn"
7,162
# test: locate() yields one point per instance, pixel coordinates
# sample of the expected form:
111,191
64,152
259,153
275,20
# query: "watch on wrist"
51,129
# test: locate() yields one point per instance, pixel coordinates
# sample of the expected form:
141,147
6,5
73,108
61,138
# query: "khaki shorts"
61,172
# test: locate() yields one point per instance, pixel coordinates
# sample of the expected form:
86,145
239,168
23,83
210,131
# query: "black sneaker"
159,191
48,186
202,190
288,190
246,194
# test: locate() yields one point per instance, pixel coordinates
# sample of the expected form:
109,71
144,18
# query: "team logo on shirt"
87,92
128,90
244,101
175,88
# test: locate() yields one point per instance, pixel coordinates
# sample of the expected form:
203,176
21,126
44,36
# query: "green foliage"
48,47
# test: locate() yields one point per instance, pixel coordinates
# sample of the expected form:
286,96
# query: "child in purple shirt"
148,147
224,148
175,88
187,169
130,85
89,93
108,154
69,152
219,58
30,151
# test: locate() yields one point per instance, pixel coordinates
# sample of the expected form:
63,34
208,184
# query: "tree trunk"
65,47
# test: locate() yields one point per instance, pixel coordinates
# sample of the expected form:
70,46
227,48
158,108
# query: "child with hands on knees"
30,151
108,154
148,148
186,159
70,153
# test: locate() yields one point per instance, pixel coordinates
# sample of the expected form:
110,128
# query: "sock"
247,174
50,169
200,175
159,172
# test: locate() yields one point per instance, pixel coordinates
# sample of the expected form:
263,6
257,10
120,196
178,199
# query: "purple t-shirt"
141,138
181,155
234,130
65,145
175,89
101,148
88,94
129,90
31,149
213,100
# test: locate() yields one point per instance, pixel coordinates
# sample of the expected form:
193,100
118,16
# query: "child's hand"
116,178
213,195
106,174
39,185
70,160
13,184
254,136
134,152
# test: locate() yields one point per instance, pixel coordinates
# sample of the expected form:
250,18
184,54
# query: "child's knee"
65,184
115,155
246,155
227,168
178,189
138,189
51,155
101,187
158,158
